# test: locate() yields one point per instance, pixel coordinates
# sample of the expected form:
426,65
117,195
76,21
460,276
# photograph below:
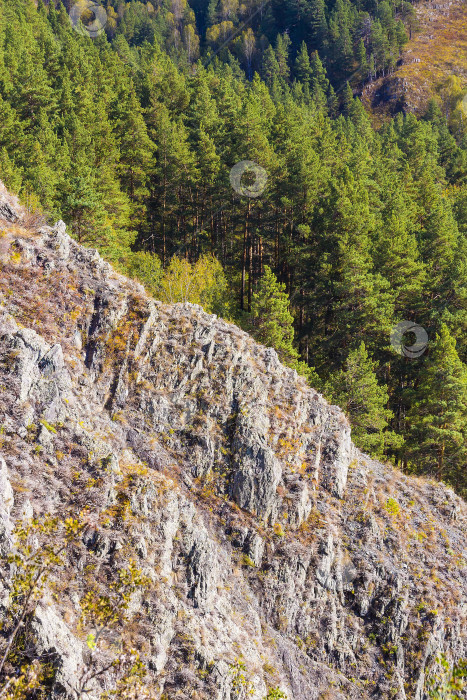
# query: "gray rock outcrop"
235,487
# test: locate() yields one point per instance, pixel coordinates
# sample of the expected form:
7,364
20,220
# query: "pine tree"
9,174
136,153
282,56
303,71
437,420
270,66
396,253
351,302
317,23
11,129
318,73
356,390
438,236
362,59
44,160
401,35
209,166
202,113
173,181
347,100
272,322
212,12
82,206
339,28
380,46
116,202
32,92
319,81
332,103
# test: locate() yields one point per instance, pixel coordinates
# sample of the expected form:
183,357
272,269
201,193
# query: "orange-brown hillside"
436,54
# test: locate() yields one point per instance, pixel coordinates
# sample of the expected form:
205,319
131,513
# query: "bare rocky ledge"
266,533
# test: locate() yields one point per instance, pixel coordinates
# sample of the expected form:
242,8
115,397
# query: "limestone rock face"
55,640
6,504
233,485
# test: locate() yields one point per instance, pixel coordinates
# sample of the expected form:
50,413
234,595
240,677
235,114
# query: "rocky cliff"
272,545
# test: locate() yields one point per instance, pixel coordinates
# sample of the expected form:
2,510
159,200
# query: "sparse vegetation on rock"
233,542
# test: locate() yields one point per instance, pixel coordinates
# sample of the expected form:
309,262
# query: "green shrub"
392,506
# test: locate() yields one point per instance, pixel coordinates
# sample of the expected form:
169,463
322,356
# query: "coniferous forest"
131,137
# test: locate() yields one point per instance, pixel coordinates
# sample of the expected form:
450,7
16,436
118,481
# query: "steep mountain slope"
272,545
436,53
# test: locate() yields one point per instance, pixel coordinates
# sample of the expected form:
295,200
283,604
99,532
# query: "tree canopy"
131,137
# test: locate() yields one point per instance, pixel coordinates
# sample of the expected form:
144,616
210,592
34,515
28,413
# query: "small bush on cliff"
392,507
240,680
275,694
34,568
202,283
447,682
147,268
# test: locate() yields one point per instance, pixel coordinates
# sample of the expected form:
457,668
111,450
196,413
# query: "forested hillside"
433,64
131,138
